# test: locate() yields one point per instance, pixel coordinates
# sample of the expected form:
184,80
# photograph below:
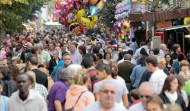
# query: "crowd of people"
55,71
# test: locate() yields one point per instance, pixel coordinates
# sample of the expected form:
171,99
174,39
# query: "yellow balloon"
134,1
126,26
84,22
100,4
94,19
187,21
81,13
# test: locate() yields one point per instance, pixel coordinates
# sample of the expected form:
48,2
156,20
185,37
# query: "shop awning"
173,27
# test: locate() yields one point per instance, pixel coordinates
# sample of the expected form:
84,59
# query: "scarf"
172,97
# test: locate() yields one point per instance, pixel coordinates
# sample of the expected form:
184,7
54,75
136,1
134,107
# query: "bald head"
29,45
32,74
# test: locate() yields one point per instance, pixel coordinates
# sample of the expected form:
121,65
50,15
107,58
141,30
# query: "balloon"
187,21
78,4
58,4
100,4
85,22
134,1
126,26
75,28
62,4
68,7
81,13
85,1
71,18
93,10
94,19
93,2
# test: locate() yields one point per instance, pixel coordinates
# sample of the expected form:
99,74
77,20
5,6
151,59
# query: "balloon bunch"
79,15
122,26
187,21
122,9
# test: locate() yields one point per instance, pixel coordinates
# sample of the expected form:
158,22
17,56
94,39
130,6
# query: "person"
82,50
155,104
37,87
4,100
137,52
134,94
158,77
162,50
76,57
126,72
162,65
169,61
156,52
78,96
107,58
44,55
137,72
107,99
25,54
103,72
133,45
14,72
54,61
56,97
41,77
169,93
145,91
18,51
184,70
173,107
176,52
116,56
63,49
175,65
67,61
25,99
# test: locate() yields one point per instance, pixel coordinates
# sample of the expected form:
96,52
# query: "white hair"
162,46
147,86
74,68
159,58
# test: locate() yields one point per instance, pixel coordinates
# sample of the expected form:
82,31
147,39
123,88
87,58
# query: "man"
67,61
26,54
133,45
25,99
44,55
56,98
76,57
137,52
51,48
125,69
63,49
163,49
158,77
145,91
37,87
107,99
103,73
4,63
41,77
116,56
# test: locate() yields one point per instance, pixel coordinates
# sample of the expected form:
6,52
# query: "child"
134,94
3,99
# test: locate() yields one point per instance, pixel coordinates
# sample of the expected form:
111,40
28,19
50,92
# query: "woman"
169,61
78,96
82,50
151,53
107,58
14,72
137,72
155,104
169,93
3,99
184,70
54,61
175,65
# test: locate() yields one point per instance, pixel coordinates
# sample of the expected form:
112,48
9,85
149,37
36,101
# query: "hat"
19,41
28,38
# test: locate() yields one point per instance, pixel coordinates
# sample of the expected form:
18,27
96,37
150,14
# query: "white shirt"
137,107
157,80
34,102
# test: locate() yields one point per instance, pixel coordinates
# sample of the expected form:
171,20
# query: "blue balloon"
93,10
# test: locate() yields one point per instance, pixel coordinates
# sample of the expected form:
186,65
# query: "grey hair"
122,45
127,57
56,52
65,74
40,46
159,58
146,85
107,82
162,46
74,68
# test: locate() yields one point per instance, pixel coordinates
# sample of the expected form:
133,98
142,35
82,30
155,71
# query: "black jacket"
52,64
179,101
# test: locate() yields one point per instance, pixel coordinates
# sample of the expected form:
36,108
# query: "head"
29,46
107,55
88,61
109,49
151,62
102,71
168,58
176,48
67,59
133,39
66,76
114,69
34,50
51,46
73,47
134,94
170,85
143,52
74,68
33,75
96,50
5,73
161,62
163,47
40,48
142,44
156,51
155,104
33,61
23,82
14,71
55,54
63,47
184,65
142,60
127,57
151,53
181,82
4,62
82,50
107,95
145,91
174,107
82,77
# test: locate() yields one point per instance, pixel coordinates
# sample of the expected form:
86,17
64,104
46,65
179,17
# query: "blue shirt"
136,75
176,67
61,63
113,42
4,103
58,72
133,46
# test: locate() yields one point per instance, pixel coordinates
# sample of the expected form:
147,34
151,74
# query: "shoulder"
137,107
119,107
92,107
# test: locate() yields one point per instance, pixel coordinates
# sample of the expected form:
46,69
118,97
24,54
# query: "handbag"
72,109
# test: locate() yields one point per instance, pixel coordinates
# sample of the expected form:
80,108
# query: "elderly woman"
54,61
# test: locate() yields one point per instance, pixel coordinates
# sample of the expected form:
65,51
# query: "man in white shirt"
158,77
145,91
163,49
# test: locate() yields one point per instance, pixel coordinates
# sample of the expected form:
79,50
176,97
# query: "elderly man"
56,97
44,55
163,49
145,91
25,99
107,100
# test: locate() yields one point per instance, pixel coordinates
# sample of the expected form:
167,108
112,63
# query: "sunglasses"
107,91
146,96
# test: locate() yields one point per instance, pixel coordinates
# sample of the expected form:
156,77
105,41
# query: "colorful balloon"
94,19
100,4
81,13
71,18
93,10
58,2
84,22
187,21
126,26
85,1
75,28
93,2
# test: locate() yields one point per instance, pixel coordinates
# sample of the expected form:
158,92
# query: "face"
164,48
1,89
119,50
51,47
151,53
108,56
72,48
162,64
100,74
153,107
67,60
168,58
23,83
148,66
4,62
109,50
145,94
174,85
55,55
107,95
178,49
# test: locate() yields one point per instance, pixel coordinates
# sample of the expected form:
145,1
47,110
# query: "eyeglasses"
107,91
66,59
146,96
